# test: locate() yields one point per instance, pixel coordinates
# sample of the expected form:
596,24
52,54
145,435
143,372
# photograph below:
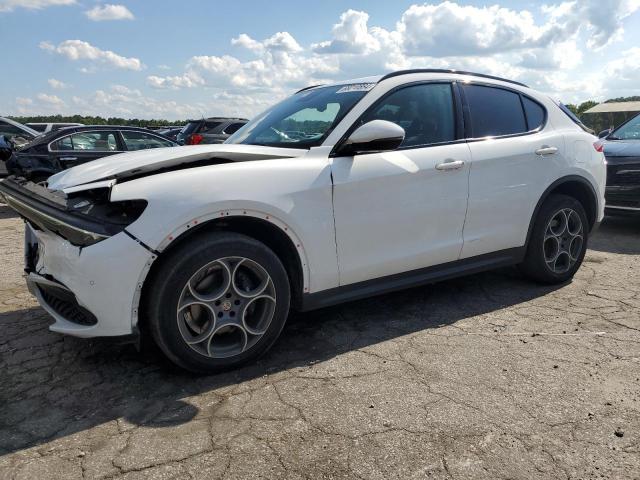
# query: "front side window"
494,111
143,141
89,141
303,120
628,131
425,112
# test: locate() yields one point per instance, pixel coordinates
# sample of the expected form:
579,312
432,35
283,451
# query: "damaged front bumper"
86,273
92,291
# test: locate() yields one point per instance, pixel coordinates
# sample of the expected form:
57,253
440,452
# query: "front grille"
623,174
64,303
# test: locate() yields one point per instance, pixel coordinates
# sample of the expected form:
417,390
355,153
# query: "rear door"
513,153
81,147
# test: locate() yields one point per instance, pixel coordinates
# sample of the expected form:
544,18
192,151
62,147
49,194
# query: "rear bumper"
92,291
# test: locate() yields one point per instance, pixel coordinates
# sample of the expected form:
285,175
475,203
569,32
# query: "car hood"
143,162
622,148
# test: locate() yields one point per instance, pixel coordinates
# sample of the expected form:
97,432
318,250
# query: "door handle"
546,150
450,165
68,159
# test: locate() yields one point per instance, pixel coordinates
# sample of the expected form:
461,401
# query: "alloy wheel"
226,307
563,240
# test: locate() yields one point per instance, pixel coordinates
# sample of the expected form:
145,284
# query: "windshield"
628,131
303,120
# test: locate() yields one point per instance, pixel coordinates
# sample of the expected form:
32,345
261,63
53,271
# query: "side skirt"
413,278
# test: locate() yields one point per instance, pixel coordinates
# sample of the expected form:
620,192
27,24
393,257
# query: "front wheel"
558,241
218,301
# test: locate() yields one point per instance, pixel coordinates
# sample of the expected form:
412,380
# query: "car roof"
446,72
220,119
63,132
21,126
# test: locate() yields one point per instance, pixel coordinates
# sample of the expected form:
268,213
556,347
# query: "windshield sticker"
357,87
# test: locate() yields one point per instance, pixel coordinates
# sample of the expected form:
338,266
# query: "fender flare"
178,233
553,186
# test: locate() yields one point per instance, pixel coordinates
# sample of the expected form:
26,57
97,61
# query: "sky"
188,59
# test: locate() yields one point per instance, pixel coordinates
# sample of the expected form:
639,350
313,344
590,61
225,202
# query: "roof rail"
441,70
308,88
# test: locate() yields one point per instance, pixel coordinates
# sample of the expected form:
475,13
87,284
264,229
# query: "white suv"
337,193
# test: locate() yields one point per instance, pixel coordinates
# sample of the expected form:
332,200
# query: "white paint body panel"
388,212
396,212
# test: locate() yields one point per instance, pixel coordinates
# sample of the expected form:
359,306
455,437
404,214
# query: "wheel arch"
266,228
574,186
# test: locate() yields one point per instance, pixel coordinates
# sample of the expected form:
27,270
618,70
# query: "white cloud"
350,35
281,41
188,80
79,50
101,13
602,19
56,84
550,49
11,5
49,99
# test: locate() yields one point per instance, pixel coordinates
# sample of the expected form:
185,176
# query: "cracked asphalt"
487,376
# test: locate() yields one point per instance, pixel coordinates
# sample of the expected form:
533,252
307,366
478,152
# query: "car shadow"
618,234
53,386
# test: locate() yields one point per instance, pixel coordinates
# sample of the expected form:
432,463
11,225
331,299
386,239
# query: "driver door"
403,210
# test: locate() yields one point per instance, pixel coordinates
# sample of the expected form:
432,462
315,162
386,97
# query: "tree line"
89,120
602,121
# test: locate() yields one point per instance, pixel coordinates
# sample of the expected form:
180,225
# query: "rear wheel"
218,301
558,241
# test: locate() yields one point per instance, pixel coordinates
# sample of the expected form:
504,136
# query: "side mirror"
373,136
604,133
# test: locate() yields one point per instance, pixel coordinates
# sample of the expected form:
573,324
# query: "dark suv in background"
622,150
209,130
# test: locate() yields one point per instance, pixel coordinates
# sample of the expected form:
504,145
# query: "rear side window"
143,141
494,111
208,127
233,128
535,113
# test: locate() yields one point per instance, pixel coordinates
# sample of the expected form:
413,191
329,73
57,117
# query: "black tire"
535,264
169,282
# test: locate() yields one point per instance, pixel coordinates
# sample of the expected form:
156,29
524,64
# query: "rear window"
189,128
37,128
494,111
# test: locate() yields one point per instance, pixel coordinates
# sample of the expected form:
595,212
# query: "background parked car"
16,132
622,150
48,127
66,148
209,130
171,133
12,134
